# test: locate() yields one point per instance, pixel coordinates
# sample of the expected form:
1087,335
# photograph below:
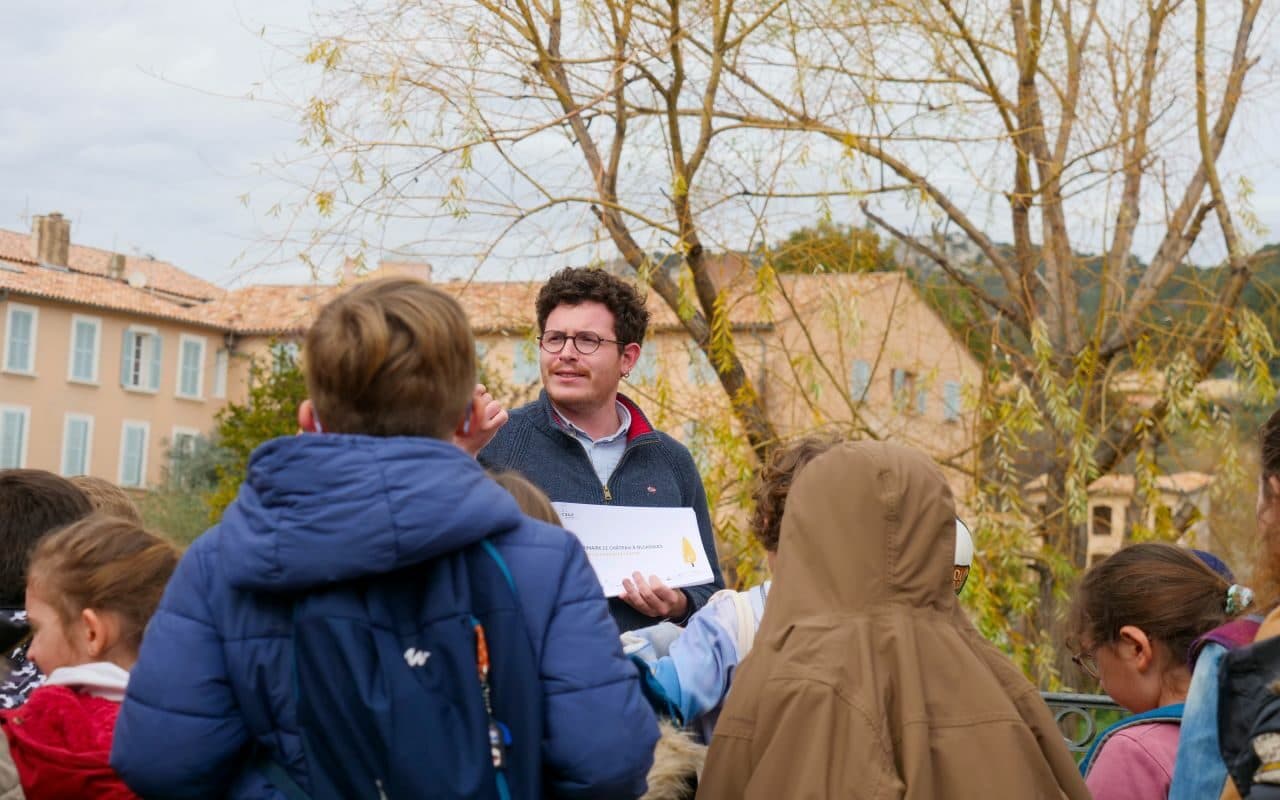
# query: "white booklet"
620,540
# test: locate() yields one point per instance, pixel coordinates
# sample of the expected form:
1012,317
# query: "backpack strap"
745,616
502,565
1170,713
746,622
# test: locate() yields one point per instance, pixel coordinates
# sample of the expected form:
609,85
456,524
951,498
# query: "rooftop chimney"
115,267
352,269
412,269
53,239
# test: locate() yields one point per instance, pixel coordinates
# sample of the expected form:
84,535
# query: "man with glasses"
582,441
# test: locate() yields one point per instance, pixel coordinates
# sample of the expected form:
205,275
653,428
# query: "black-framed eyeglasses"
1087,661
585,342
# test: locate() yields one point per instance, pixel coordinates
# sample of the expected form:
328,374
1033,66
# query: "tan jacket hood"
867,680
866,525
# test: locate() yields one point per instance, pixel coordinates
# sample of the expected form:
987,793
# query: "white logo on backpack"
416,658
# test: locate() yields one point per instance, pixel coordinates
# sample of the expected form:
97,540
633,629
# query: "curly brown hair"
573,286
774,483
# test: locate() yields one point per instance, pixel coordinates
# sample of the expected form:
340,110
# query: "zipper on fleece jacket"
608,495
605,491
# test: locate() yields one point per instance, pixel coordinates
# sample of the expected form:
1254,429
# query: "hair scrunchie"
1238,598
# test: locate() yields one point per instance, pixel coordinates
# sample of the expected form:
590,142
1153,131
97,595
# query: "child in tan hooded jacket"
866,679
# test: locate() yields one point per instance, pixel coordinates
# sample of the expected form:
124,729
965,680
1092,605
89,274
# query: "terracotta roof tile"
268,308
93,291
492,307
161,275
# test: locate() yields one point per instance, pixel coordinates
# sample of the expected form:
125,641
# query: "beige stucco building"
107,361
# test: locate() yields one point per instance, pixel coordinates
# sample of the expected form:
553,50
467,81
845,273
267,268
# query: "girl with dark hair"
1135,617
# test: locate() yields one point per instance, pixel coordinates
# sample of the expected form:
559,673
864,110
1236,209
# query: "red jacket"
60,740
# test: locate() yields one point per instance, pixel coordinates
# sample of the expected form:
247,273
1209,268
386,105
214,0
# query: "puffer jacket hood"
306,514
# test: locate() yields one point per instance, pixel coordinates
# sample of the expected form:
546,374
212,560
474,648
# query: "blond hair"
107,564
532,500
390,357
108,498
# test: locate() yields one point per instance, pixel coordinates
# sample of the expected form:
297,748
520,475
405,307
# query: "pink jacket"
1136,763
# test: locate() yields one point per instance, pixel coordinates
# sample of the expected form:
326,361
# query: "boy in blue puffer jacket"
374,485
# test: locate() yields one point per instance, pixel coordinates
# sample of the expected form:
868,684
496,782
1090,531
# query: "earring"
626,374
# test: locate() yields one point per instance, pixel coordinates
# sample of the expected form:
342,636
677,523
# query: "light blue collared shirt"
604,453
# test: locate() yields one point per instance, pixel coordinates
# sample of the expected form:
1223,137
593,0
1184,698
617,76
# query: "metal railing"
1081,717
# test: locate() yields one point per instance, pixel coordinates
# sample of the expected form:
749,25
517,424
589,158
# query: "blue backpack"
420,683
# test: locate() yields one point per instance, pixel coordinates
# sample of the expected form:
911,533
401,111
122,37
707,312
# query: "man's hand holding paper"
627,543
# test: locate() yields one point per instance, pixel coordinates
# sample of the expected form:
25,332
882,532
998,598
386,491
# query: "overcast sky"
146,121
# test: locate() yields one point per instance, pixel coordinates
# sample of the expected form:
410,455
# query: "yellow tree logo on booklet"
690,555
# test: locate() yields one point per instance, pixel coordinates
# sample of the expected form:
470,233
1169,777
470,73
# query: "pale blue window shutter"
20,355
859,379
135,442
646,369
82,362
126,359
76,447
700,369
899,379
156,354
189,370
951,401
12,432
526,362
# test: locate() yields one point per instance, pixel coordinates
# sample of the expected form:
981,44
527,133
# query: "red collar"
639,423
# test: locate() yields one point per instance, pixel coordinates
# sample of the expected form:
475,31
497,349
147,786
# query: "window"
695,442
904,388
284,354
77,438
14,422
20,339
133,453
525,368
184,442
183,446
951,401
86,332
220,363
700,370
859,379
1101,521
140,360
191,366
646,368
922,401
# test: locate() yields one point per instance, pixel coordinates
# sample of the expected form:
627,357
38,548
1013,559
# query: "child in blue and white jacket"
694,667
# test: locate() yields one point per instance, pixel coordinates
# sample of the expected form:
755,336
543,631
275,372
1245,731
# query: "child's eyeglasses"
1087,661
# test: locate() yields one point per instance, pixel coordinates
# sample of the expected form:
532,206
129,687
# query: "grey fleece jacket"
655,470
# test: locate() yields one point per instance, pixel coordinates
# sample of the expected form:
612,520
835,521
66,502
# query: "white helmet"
964,544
